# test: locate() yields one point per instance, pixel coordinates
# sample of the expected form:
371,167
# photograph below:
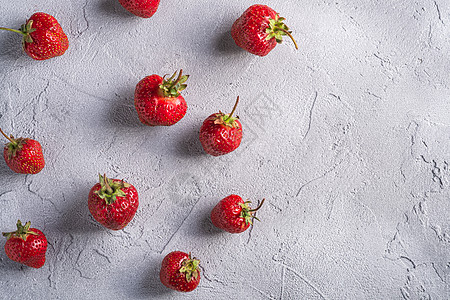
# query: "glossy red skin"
141,8
219,139
226,215
170,274
49,39
154,109
28,160
118,214
30,252
249,31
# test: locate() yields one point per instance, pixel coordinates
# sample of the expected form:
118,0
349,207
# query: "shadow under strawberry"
124,115
188,143
11,49
150,284
224,43
205,226
6,171
114,9
122,111
77,218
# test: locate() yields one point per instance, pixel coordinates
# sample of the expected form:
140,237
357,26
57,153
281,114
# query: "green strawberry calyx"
189,267
23,231
228,119
111,189
249,214
25,30
277,29
172,87
14,145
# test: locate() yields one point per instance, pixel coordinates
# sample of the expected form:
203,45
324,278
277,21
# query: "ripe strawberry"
26,245
141,8
234,215
113,202
23,155
158,101
221,133
259,29
43,37
180,272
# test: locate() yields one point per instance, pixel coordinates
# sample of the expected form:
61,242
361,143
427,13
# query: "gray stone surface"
347,139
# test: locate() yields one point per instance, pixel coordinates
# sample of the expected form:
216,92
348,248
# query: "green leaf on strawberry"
111,189
172,87
277,29
23,231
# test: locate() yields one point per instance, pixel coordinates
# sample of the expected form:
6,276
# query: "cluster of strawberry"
158,101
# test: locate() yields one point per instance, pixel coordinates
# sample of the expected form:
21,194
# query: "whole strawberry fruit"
180,272
234,215
158,101
221,133
26,245
113,202
259,29
43,37
141,8
23,155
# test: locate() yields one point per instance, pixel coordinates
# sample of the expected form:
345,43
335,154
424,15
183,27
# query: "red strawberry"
113,202
221,133
23,155
158,101
43,37
232,214
180,272
26,245
259,29
141,8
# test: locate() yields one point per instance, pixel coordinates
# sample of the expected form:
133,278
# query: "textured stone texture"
347,139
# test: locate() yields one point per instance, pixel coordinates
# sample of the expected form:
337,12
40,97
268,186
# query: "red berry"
113,202
43,37
141,8
23,155
180,272
158,101
26,245
232,214
221,133
259,29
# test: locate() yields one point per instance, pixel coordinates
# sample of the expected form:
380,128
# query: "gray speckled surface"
348,139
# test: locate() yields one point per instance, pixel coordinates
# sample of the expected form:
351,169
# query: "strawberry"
221,133
158,101
23,155
180,272
259,29
26,245
234,215
113,202
141,8
43,37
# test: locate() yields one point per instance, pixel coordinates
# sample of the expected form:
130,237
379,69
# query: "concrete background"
347,139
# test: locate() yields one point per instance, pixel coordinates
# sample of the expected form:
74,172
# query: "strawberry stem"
9,138
234,109
13,30
109,190
259,206
179,77
289,35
